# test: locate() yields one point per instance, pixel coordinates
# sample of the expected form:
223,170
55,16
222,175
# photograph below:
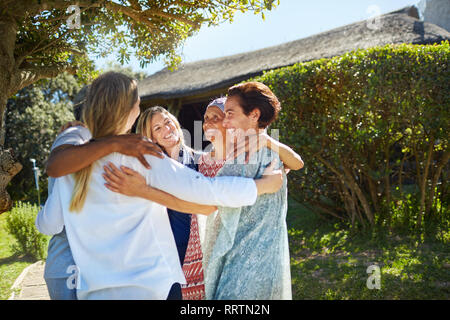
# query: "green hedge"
372,128
20,223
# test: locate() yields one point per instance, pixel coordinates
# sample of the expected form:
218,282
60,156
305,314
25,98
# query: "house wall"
436,11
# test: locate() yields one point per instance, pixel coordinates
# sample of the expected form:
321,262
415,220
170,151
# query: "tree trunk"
346,177
9,167
437,174
423,183
387,183
362,199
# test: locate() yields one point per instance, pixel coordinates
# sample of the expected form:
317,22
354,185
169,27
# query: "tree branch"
26,77
39,48
143,15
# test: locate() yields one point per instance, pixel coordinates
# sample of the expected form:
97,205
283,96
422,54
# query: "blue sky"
291,20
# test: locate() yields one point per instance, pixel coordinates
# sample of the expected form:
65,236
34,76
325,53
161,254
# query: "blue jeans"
58,290
59,259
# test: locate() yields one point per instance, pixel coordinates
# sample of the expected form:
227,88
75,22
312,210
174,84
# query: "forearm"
68,159
289,157
266,185
174,203
184,183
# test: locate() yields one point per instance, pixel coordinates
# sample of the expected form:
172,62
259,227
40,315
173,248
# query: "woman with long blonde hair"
123,246
116,93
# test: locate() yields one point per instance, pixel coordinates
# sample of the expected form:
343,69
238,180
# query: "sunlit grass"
329,261
11,265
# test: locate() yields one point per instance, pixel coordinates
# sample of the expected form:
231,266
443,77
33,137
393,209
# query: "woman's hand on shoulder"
136,145
271,180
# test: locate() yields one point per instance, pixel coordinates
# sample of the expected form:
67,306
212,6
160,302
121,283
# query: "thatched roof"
196,77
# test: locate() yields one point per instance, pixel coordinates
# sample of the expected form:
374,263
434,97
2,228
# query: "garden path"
30,285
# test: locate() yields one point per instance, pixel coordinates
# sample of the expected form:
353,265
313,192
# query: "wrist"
112,143
273,144
107,145
261,186
145,192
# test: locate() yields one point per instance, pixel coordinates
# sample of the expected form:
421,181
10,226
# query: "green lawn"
10,265
329,262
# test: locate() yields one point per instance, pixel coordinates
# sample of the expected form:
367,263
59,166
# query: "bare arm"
172,202
251,144
67,159
129,182
289,157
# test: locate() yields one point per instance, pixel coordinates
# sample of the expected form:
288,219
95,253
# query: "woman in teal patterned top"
246,251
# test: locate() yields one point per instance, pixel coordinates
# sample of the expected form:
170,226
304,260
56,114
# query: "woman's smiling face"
212,123
164,131
235,118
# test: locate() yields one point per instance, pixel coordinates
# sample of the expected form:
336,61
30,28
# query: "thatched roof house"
187,90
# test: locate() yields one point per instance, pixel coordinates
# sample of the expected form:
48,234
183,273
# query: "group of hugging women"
144,216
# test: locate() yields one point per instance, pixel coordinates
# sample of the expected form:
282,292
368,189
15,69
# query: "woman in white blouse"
123,246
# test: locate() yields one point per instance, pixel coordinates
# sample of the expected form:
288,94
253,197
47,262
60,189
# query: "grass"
330,261
11,265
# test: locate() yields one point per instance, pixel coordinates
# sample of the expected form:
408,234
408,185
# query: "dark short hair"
78,102
256,95
78,111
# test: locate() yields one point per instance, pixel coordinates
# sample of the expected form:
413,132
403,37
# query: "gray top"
246,251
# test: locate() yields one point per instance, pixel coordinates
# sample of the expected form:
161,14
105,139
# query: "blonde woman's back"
123,246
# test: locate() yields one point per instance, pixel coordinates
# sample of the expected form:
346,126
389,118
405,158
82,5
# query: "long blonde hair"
110,99
144,125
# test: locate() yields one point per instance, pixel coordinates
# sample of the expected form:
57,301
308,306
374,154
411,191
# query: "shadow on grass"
10,269
329,261
16,258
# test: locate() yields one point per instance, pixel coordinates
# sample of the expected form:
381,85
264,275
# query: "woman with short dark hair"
247,253
253,95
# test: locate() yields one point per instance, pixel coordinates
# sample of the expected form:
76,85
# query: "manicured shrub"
20,224
372,128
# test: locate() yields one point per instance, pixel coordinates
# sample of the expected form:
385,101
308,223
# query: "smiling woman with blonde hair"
144,126
163,128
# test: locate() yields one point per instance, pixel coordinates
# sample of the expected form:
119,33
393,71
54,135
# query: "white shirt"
123,246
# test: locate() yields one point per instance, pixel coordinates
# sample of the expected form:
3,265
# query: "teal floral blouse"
246,251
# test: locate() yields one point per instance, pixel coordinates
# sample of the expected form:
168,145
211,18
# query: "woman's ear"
255,114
